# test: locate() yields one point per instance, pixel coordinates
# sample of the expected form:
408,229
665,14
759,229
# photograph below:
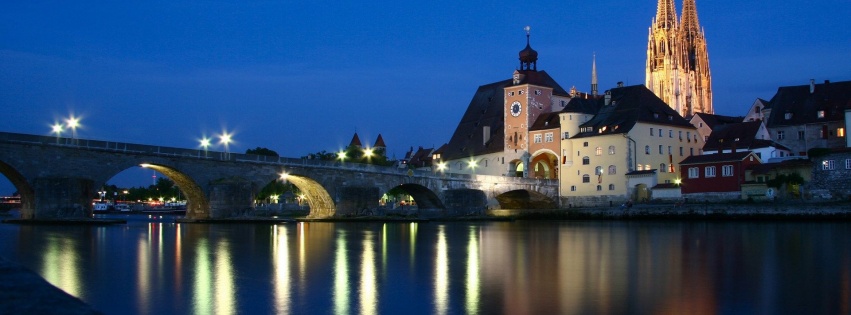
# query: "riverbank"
24,292
794,210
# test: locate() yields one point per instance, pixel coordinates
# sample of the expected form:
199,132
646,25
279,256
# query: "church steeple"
594,74
666,14
688,21
528,56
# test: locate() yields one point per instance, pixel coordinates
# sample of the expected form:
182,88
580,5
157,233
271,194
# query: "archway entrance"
197,203
545,166
317,198
642,193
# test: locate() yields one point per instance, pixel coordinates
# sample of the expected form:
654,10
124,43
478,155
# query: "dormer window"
821,114
788,116
655,115
670,118
756,109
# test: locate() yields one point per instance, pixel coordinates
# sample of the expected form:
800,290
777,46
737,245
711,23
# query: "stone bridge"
58,178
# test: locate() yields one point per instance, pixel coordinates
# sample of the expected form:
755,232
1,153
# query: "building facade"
677,68
716,176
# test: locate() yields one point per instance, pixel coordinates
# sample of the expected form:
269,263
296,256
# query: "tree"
262,151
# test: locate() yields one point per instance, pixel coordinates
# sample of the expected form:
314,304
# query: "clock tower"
526,98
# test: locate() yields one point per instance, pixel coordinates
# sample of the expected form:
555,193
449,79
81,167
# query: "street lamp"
225,139
73,123
57,129
205,143
367,153
341,155
441,166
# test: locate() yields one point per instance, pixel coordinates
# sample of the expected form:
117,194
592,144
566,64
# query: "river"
152,265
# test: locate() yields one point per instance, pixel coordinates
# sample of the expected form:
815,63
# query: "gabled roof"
486,109
741,135
583,105
717,158
787,164
628,106
379,143
546,121
713,120
831,97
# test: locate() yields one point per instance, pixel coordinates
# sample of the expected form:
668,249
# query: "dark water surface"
155,266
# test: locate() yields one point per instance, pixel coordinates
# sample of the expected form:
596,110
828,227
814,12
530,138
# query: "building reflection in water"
368,281
472,282
441,273
281,263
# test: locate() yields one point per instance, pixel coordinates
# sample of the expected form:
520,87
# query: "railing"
131,148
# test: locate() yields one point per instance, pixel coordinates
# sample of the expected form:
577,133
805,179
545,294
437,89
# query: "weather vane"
527,29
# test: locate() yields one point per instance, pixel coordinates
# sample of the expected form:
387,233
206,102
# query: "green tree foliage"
262,151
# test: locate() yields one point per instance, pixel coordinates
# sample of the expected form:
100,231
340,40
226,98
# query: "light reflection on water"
156,266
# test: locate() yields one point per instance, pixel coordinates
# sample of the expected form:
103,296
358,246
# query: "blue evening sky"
303,76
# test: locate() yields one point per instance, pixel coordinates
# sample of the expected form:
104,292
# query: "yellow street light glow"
57,129
367,152
284,175
441,166
73,122
678,181
146,165
225,138
472,164
341,155
205,142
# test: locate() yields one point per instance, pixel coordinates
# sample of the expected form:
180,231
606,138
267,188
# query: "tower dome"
528,56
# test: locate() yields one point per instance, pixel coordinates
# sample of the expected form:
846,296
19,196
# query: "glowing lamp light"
367,152
678,181
145,165
57,129
441,166
205,142
341,155
284,175
471,164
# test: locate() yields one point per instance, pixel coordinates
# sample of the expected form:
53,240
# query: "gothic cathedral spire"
594,75
677,62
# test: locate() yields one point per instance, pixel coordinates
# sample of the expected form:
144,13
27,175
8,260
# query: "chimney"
812,86
620,83
608,97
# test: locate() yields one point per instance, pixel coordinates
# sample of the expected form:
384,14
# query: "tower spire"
688,21
666,14
528,56
594,74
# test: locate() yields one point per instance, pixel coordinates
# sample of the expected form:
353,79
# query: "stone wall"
837,181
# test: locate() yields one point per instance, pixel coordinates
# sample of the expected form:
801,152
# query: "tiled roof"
379,143
742,135
715,158
355,141
628,106
645,172
546,121
768,167
486,109
831,97
712,120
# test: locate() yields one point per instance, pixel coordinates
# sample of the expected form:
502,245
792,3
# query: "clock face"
515,109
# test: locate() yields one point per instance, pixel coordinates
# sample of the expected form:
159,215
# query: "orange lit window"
840,132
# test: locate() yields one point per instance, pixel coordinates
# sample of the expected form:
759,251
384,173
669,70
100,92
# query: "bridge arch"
197,203
24,188
424,198
320,201
525,199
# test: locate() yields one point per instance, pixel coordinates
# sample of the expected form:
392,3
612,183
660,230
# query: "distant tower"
528,56
594,75
677,62
355,141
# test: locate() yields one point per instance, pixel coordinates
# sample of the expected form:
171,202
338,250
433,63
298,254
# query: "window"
646,149
611,150
640,167
709,171
695,137
548,137
828,165
660,132
598,151
511,93
690,151
681,151
537,138
662,168
586,160
611,186
669,150
840,132
681,135
651,131
598,170
788,116
537,92
573,188
613,169
670,133
586,178
647,167
566,135
585,144
693,172
705,138
756,109
848,164
700,125
599,188
727,170
688,136
661,149
781,135
820,114
823,132
800,135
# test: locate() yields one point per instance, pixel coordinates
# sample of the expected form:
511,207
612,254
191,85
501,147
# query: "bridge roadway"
58,178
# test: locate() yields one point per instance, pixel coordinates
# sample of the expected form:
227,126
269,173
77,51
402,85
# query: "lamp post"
205,143
73,123
367,153
341,156
225,139
57,129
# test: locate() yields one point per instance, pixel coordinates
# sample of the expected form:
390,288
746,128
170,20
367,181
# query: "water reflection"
445,268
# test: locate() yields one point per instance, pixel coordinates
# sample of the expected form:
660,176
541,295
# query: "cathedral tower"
677,63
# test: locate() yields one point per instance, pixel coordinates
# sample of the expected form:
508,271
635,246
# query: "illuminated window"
599,151
640,167
821,114
598,170
647,167
840,132
828,165
709,171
